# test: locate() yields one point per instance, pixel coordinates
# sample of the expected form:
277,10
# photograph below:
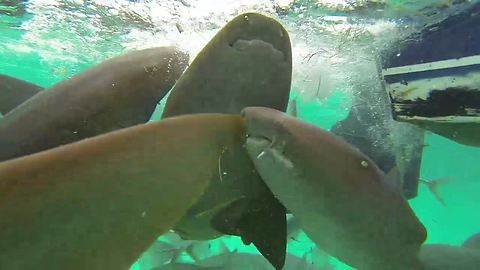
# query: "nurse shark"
342,199
101,202
247,63
122,91
449,257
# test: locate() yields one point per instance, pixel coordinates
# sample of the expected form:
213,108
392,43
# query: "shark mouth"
261,146
257,44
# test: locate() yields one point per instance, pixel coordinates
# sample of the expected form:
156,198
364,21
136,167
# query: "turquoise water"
44,50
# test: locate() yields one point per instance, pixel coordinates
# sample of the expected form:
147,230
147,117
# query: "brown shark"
101,202
342,199
370,127
14,92
448,257
120,92
248,63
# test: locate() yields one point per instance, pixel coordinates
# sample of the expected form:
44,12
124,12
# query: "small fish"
185,266
160,253
432,185
170,247
292,107
240,261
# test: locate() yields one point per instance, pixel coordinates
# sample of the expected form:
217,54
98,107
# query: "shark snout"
250,46
256,31
264,130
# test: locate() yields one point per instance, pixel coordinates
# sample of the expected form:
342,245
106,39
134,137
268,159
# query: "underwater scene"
222,134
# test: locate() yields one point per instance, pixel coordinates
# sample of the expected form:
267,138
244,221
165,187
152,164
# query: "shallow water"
335,47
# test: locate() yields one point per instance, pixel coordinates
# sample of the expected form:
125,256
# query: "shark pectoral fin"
265,225
225,221
14,92
262,222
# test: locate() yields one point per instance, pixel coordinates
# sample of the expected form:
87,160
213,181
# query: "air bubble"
364,164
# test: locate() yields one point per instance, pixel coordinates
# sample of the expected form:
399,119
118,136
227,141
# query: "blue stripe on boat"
430,74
